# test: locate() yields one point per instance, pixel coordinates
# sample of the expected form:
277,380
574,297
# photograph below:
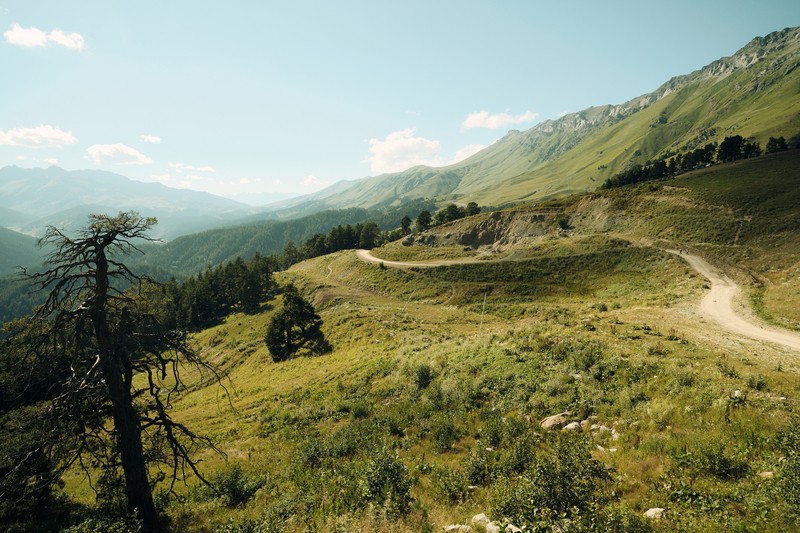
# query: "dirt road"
718,306
364,255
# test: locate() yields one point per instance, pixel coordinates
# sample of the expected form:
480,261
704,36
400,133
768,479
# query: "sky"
257,100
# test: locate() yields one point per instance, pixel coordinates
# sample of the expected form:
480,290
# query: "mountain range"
31,199
754,93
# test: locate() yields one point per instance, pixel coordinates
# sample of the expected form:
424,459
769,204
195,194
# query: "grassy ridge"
415,374
428,410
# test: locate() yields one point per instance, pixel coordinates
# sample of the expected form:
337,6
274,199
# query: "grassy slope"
590,324
579,151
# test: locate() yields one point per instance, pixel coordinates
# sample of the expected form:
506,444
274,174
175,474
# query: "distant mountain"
30,199
754,93
17,250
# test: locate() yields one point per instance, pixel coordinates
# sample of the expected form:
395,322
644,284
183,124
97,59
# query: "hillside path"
718,306
365,255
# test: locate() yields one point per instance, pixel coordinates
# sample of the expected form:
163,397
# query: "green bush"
444,434
563,482
450,486
789,480
386,478
423,376
480,466
235,487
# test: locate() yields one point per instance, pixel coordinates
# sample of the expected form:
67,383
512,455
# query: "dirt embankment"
498,230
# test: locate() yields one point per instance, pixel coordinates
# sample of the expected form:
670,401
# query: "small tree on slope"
295,327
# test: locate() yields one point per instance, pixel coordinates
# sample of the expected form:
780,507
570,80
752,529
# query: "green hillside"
753,93
553,371
190,254
17,250
440,378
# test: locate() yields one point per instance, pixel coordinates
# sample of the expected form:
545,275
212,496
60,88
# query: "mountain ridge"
33,198
690,109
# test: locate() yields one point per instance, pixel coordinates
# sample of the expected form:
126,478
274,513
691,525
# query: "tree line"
732,148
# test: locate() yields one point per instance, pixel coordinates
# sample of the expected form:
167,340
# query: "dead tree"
124,365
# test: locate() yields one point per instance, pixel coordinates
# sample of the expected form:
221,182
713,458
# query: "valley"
603,325
589,325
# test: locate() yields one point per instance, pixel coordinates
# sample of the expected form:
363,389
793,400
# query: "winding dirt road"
364,255
717,304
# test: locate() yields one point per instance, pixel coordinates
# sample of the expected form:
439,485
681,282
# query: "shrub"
758,382
444,434
450,486
386,478
423,376
235,486
480,466
789,480
562,483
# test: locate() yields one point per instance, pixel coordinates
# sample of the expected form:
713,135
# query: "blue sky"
254,98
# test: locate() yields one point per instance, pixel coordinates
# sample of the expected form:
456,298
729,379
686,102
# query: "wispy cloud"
35,38
467,151
117,154
37,137
152,139
312,182
181,167
401,150
482,119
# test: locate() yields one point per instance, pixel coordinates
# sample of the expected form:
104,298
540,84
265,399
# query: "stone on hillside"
656,513
556,421
511,528
482,521
766,475
457,528
572,426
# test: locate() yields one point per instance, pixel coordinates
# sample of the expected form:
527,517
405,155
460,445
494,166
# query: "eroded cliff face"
498,230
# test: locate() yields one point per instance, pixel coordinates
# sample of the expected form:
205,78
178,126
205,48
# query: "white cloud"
244,181
401,150
153,139
51,161
563,114
20,158
73,41
180,167
467,151
27,37
34,37
117,154
163,178
312,182
483,119
44,135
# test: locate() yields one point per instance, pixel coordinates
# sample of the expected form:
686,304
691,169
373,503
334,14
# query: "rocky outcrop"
556,421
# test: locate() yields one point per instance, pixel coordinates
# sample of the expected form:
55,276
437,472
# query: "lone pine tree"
294,328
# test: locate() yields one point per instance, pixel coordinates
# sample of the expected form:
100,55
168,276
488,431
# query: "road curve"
364,255
718,306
